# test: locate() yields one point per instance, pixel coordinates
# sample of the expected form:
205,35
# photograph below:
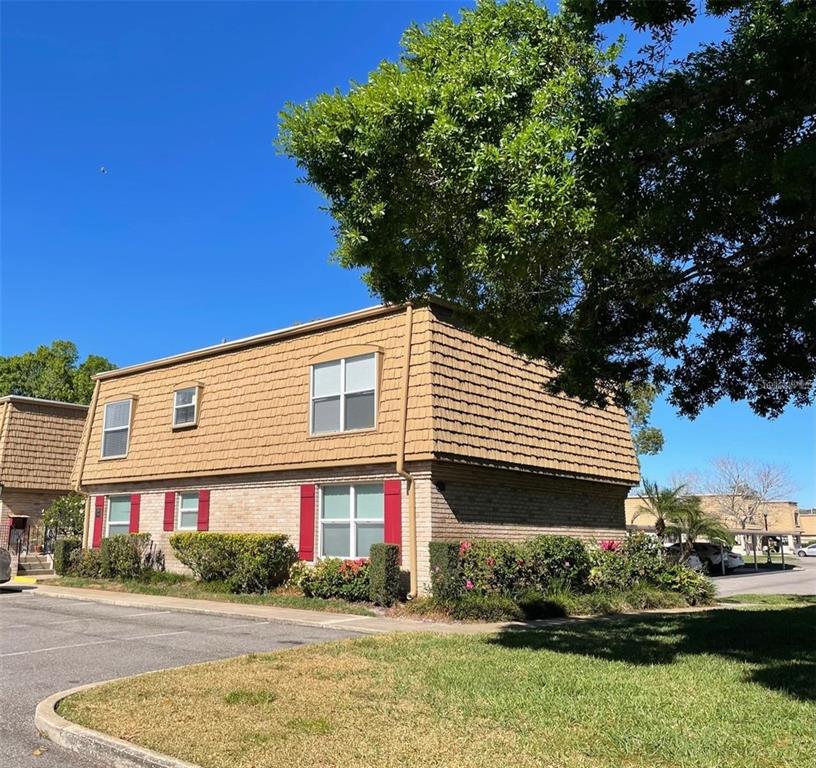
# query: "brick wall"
486,503
251,504
31,503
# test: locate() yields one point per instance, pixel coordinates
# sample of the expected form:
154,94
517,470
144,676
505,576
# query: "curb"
333,623
107,750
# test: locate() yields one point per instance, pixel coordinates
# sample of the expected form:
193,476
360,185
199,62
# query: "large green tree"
635,223
52,372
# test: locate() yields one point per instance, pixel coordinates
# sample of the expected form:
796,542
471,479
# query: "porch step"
39,572
35,560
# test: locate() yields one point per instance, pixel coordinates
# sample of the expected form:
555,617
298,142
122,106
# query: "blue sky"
199,231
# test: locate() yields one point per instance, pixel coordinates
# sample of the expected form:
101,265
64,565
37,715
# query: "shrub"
246,562
121,557
65,516
383,574
63,551
541,605
86,563
695,588
485,608
514,568
638,559
346,579
446,575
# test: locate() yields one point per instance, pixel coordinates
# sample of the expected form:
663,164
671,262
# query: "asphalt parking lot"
49,644
798,581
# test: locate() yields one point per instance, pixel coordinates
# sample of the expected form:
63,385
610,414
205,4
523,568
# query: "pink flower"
608,545
469,584
464,547
566,563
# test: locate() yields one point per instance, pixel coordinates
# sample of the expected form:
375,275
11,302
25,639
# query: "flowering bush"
513,568
608,545
346,579
638,559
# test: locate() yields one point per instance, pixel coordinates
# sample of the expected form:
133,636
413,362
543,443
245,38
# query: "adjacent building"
39,440
392,424
777,522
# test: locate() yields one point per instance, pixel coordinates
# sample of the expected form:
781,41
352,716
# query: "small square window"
185,407
351,519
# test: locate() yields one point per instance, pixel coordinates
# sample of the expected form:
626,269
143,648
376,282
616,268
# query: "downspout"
401,471
86,534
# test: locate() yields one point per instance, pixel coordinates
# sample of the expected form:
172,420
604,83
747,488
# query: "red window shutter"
169,510
203,510
135,507
99,515
392,528
307,522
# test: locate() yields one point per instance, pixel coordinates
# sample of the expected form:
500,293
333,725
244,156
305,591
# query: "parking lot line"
93,642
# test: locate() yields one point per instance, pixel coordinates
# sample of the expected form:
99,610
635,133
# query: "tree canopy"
635,223
52,372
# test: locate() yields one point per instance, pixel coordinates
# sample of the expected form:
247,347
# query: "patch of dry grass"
645,692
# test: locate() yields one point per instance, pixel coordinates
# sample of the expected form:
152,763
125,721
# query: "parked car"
808,551
692,561
709,554
5,566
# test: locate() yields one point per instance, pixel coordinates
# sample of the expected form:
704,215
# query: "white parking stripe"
84,618
93,642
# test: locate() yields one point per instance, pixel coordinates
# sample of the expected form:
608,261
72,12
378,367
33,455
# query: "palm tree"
662,503
689,523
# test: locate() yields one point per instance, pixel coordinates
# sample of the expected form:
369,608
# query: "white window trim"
106,429
179,526
176,406
107,512
352,521
342,394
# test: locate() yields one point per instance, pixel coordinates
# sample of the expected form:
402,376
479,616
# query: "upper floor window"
118,515
116,429
344,394
185,407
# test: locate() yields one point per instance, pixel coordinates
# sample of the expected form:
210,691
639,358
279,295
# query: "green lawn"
777,600
173,585
722,688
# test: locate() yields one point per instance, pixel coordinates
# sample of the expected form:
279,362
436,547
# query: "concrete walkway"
324,619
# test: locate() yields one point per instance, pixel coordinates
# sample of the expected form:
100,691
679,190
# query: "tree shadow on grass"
781,643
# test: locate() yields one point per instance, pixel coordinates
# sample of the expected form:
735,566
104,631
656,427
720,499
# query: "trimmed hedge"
63,550
345,579
246,562
384,574
122,557
446,573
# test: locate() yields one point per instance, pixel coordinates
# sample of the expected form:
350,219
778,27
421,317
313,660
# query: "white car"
5,566
710,554
808,551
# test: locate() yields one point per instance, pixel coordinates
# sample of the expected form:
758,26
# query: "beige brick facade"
23,502
452,502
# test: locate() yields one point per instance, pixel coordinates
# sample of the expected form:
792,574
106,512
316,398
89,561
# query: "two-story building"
388,424
39,440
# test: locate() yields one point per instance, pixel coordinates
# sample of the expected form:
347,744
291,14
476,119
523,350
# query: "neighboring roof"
469,400
38,442
41,401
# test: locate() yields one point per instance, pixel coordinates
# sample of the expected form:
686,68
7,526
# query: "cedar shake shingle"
470,400
38,442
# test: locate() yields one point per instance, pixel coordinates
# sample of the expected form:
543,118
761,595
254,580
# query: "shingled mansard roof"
469,400
39,440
